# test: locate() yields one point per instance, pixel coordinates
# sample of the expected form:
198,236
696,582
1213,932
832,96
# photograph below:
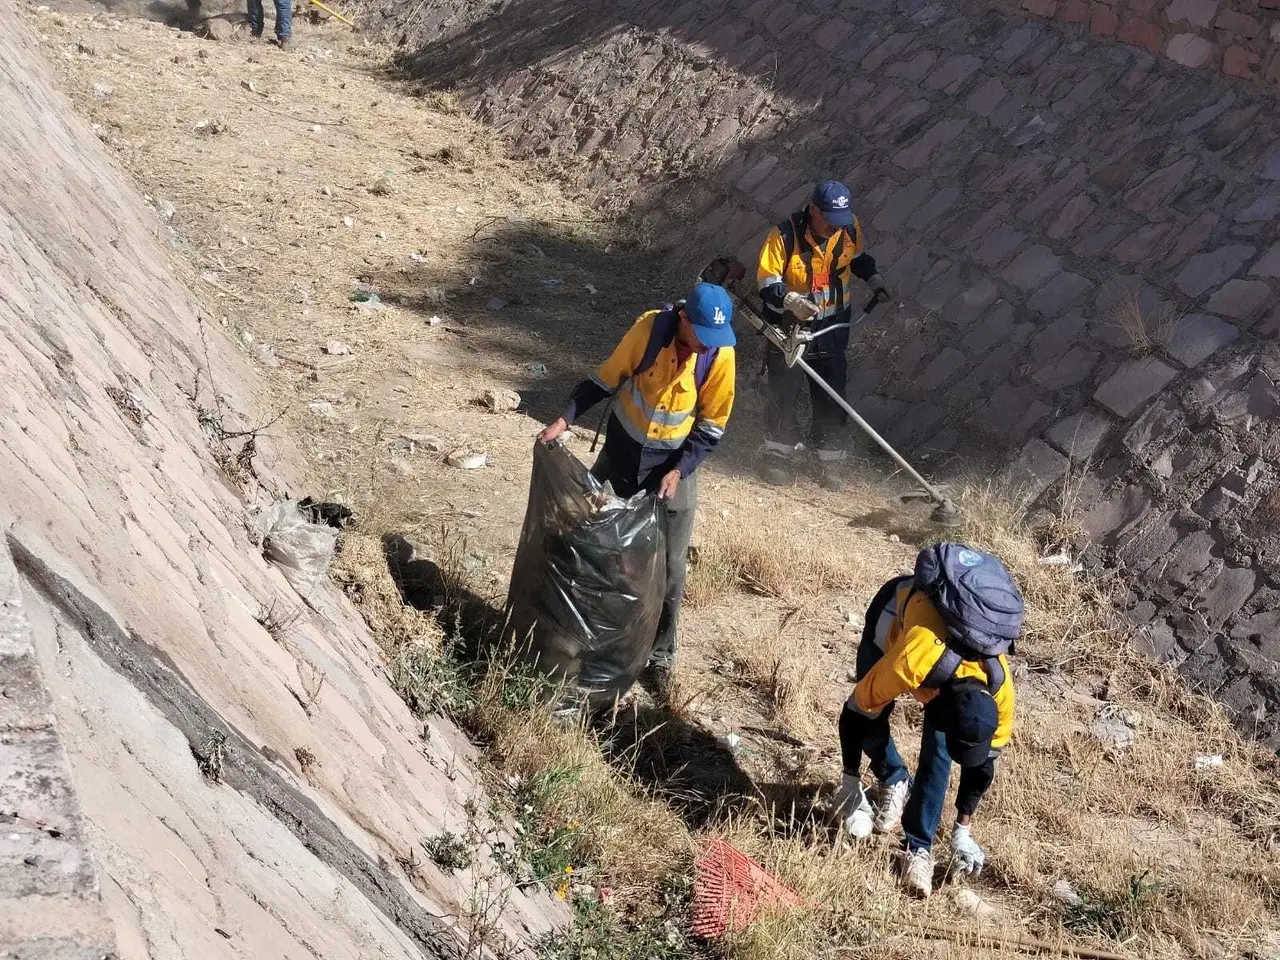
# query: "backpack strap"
944,670
660,336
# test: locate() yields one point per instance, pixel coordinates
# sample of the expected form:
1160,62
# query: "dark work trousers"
680,513
826,430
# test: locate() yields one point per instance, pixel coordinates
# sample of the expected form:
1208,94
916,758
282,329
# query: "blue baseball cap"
710,310
971,720
835,202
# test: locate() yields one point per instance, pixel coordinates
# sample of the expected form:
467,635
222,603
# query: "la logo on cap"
718,318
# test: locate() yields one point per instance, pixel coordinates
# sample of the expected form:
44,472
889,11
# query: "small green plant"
598,932
1113,915
449,851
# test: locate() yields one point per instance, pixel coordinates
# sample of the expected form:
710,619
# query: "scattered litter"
853,620
851,675
1115,727
424,440
460,210
315,128
207,128
1062,559
381,234
168,212
467,461
553,282
537,369
266,355
495,304
731,740
335,515
590,288
103,89
348,222
434,321
973,904
327,190
1208,761
246,336
727,669
1065,893
249,85
323,408
383,186
417,257
88,51
501,401
336,348
301,549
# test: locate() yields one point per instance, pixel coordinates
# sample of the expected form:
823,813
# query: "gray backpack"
980,604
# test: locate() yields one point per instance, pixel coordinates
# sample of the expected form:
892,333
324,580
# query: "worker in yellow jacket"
909,646
805,276
673,378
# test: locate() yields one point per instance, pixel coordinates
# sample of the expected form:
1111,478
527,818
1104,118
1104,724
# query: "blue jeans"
871,736
284,18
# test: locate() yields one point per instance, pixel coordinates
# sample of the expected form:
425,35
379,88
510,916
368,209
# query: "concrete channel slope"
131,655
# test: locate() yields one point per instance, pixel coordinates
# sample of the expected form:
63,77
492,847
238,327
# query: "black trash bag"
590,572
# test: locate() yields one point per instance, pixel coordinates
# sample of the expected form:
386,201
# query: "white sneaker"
893,801
917,872
853,809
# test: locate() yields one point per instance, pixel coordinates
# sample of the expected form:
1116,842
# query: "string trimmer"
792,343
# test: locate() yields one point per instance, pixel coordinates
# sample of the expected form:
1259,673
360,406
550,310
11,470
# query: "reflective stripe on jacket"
663,405
818,268
914,644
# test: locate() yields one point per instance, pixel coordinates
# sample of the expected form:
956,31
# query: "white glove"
966,856
800,307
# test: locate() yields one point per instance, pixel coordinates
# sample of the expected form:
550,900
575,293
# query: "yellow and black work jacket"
793,260
662,420
914,643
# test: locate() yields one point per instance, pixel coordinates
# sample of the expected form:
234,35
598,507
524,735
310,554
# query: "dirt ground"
293,187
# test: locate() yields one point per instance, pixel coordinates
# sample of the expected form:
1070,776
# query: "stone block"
1032,268
1114,516
900,206
1077,210
1037,467
1068,185
934,207
984,100
913,68
1041,8
945,364
1239,299
994,327
1135,383
1190,559
832,33
1268,264
1075,11
757,174
1189,50
1198,12
940,291
999,245
1240,62
1191,238
1264,209
971,304
1142,33
1205,271
1151,194
1237,23
953,72
1217,502
1140,245
1104,21
1080,435
1060,293
1148,542
1198,336
939,135
1071,368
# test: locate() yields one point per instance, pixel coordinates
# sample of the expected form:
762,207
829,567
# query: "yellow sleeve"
902,669
715,399
627,354
772,267
857,247
1004,708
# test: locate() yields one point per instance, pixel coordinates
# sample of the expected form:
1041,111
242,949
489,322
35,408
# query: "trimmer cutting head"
946,514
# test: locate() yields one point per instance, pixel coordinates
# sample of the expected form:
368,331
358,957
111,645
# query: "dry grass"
1146,332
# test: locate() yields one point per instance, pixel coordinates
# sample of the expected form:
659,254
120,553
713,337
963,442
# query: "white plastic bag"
301,549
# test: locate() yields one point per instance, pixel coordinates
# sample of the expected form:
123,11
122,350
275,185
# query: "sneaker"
830,475
917,872
831,481
284,43
892,802
851,806
777,472
657,680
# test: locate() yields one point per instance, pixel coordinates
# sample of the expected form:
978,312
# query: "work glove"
966,856
879,286
800,307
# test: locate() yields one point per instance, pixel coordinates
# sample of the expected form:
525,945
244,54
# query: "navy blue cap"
710,310
835,201
971,719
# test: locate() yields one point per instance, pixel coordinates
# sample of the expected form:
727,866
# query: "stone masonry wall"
1240,38
1083,235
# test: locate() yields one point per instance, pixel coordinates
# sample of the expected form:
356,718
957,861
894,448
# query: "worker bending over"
805,275
941,636
673,380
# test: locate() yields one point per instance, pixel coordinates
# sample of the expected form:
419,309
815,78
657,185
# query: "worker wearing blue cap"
673,379
805,274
